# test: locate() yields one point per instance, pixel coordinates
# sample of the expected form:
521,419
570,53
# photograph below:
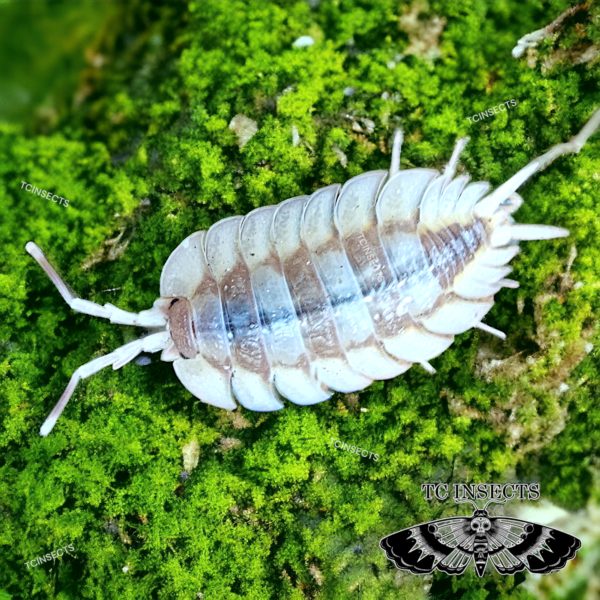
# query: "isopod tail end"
574,145
509,283
487,207
520,232
578,142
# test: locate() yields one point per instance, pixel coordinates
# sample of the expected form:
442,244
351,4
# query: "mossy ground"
284,515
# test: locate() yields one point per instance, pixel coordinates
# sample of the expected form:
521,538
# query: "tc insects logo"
511,545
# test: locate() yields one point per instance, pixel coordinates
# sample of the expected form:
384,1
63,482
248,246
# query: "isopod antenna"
121,356
146,318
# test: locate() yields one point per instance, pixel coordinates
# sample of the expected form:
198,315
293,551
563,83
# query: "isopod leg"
453,163
147,318
118,358
492,330
396,147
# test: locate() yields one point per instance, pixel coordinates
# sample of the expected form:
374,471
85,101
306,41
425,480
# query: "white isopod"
329,291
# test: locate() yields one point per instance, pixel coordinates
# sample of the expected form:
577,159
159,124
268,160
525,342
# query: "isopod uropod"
329,291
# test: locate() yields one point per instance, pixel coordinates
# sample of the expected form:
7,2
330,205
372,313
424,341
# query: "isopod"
328,292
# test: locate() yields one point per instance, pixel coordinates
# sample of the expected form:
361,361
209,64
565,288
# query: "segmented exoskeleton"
329,291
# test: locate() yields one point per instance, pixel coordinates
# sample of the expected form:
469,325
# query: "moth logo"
449,545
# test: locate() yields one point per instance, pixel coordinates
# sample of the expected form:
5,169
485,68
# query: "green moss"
283,515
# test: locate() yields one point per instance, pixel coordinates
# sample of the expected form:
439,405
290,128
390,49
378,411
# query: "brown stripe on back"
405,226
376,277
369,262
248,345
463,251
209,323
434,253
312,304
452,248
450,260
